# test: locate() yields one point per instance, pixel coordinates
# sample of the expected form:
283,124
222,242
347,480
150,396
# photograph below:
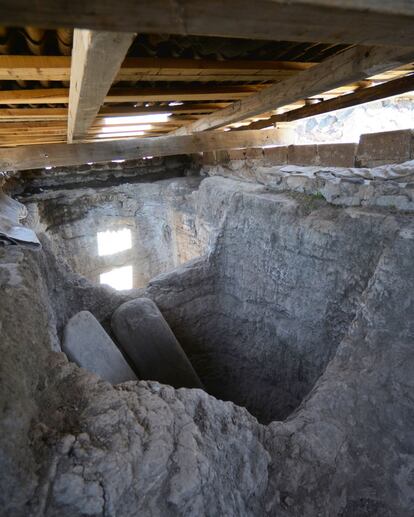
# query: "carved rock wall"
160,216
308,304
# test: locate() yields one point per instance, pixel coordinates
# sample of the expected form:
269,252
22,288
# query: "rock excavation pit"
275,294
287,306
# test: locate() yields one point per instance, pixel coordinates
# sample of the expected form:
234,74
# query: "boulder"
86,343
150,344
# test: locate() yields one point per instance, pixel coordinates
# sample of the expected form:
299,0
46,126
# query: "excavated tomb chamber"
263,312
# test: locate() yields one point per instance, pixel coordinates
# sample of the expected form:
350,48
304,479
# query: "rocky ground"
300,311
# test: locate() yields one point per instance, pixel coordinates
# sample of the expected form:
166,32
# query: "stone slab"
236,154
337,155
86,343
150,344
209,158
384,148
254,153
275,155
303,154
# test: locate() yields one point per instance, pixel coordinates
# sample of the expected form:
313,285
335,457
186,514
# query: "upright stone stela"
86,343
148,341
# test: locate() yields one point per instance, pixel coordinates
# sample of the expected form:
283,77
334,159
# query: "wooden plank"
96,59
34,68
35,96
30,142
191,70
33,114
129,95
41,127
374,93
57,68
13,141
200,93
349,66
187,107
192,93
40,156
370,22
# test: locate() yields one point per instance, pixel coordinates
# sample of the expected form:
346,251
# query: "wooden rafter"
218,94
98,62
51,114
351,65
96,59
20,158
34,68
57,68
182,93
370,22
188,107
159,69
33,114
200,93
381,91
35,96
40,127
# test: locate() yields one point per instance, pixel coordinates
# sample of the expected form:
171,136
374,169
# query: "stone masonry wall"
379,171
373,149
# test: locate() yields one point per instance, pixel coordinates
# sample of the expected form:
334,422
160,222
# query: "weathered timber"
39,156
374,93
371,22
349,66
96,59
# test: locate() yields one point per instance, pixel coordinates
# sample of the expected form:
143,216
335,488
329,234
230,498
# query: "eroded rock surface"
299,309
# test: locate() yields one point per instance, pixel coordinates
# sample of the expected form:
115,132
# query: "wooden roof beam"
32,157
51,114
374,93
96,59
193,93
347,67
369,22
218,94
32,114
57,68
